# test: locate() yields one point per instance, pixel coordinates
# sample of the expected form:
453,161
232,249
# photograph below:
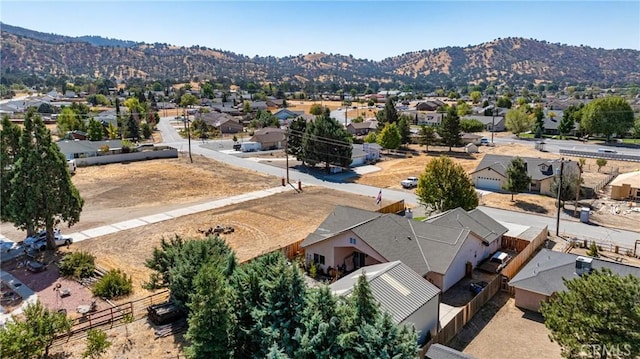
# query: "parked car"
410,182
477,287
484,141
495,264
38,242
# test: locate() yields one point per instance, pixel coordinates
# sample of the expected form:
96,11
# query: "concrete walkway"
185,211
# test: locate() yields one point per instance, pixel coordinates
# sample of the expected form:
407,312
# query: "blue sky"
365,29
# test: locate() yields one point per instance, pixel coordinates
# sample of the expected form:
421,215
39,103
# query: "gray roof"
68,147
484,119
475,221
399,290
439,351
537,168
544,273
423,246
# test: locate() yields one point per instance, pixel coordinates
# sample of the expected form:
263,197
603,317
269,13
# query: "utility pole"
286,151
186,120
559,189
493,121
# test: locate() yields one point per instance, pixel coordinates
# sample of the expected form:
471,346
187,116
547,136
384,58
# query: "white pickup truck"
410,182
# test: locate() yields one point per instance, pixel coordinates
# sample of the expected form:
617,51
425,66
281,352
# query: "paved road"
568,225
554,146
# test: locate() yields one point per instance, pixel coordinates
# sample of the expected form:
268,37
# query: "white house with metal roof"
409,299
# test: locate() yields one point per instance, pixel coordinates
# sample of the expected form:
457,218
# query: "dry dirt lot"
393,170
260,226
501,330
118,192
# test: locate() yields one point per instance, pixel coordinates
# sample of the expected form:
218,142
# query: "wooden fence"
524,254
525,250
290,251
111,317
396,207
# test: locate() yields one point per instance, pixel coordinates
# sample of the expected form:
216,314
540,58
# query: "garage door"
488,183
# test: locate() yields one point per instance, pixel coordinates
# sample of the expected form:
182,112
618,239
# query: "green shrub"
77,265
97,344
114,284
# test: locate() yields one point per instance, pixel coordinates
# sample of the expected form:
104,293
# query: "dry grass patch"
261,225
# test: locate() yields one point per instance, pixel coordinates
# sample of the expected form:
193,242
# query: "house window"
318,259
352,241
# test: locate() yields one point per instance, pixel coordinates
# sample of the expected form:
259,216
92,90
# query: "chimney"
583,265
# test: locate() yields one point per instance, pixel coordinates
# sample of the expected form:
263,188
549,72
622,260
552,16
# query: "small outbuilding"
471,148
626,186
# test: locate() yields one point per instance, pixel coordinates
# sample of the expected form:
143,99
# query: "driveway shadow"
530,207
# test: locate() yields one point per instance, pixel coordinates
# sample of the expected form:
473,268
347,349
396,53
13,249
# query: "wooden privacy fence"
290,251
396,207
524,253
525,250
110,317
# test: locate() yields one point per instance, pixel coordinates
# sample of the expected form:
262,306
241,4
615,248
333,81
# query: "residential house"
72,149
285,114
362,128
365,153
410,299
270,138
491,173
467,138
258,105
491,123
430,105
439,351
225,123
544,275
275,103
626,186
351,238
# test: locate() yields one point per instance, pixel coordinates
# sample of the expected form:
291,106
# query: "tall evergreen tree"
327,141
211,315
405,129
427,136
390,112
517,178
133,129
9,153
319,338
42,193
449,130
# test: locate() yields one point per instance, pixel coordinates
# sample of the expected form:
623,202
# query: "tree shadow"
530,207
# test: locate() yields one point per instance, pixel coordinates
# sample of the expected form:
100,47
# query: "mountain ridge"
510,60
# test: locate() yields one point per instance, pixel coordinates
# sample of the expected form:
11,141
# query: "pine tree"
390,112
405,129
95,130
517,178
9,153
449,130
327,141
598,308
42,193
211,315
321,322
297,130
427,136
133,130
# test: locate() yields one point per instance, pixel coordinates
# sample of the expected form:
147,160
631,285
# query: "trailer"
71,164
250,146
